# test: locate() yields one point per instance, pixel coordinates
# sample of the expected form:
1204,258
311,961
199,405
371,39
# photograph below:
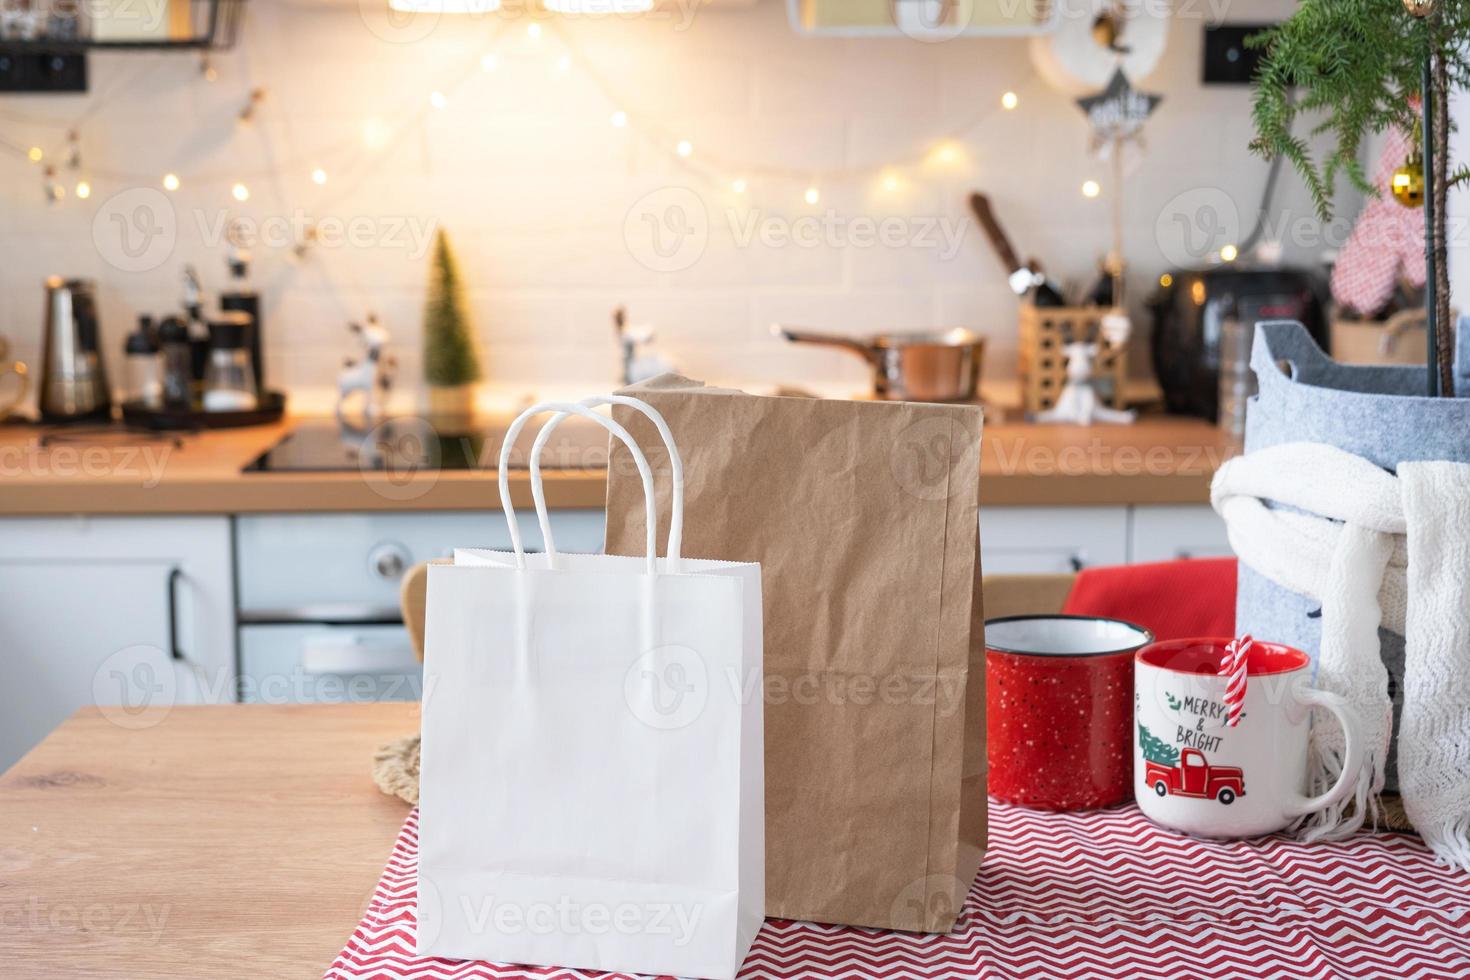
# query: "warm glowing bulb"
318,176
84,189
240,192
945,154
170,182
812,196
738,185
890,182
1166,280
488,63
1229,253
375,133
533,31
1090,188
438,100
1009,100
34,154
619,119
685,148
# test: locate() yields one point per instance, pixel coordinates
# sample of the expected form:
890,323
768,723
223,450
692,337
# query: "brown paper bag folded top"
863,516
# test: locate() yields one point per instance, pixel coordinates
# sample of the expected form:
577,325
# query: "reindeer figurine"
1079,402
371,374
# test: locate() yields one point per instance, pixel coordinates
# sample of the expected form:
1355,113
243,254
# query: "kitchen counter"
224,841
1159,460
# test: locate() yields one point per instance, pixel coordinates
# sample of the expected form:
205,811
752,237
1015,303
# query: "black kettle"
1189,313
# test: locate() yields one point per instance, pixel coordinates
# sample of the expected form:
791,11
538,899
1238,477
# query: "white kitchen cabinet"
1041,540
135,614
1165,533
319,595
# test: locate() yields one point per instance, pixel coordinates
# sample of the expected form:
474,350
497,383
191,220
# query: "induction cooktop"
410,443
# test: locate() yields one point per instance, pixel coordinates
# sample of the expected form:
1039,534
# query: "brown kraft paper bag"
863,516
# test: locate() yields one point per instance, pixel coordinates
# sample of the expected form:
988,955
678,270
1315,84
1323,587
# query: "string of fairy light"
64,172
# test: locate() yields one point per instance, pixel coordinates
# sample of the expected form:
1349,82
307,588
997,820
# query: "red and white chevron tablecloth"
1094,895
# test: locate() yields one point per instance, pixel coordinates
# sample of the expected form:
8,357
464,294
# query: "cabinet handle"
174,575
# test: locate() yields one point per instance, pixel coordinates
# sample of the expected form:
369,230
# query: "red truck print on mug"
1190,765
1194,776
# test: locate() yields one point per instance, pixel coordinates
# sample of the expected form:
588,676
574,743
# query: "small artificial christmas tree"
449,348
1355,67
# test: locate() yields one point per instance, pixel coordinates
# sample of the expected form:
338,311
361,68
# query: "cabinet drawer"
312,664
1166,533
348,566
1043,540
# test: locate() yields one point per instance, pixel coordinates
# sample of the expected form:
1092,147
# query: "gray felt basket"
1379,413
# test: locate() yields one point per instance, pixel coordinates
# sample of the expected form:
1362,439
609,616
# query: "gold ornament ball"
1408,183
1419,8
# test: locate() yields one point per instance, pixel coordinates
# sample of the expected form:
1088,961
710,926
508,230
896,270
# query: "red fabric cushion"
1174,599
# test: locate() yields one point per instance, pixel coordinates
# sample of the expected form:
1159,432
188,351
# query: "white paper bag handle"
570,408
676,517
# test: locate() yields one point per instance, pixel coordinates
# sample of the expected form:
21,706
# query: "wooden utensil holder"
1045,331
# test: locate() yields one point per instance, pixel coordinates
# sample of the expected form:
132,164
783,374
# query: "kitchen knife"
1022,277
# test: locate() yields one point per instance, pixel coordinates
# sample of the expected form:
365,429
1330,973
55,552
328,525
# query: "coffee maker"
73,384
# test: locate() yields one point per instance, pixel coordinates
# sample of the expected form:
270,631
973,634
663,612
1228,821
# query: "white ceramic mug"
1195,773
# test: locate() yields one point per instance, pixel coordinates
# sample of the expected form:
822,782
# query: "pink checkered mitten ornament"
1387,241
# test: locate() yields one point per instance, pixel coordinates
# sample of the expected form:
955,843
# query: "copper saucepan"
940,366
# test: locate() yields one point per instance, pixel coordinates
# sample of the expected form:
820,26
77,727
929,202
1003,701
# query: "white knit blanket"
1375,549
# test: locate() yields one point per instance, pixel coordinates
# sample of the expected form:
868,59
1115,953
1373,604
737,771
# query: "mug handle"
1352,754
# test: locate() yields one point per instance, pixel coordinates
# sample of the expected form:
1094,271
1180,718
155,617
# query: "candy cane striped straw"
1233,667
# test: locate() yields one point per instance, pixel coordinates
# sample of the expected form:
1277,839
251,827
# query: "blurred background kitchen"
273,271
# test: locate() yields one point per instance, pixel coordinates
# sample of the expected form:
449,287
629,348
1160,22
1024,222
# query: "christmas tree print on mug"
1195,773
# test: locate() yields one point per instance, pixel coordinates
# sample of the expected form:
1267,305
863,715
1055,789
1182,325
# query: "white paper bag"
592,782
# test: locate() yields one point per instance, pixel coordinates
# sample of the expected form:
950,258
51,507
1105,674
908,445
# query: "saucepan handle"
801,335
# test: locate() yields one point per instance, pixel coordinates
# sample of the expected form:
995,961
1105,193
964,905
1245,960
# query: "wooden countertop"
225,841
1158,460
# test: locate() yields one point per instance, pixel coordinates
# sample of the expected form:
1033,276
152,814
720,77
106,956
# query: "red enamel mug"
1059,710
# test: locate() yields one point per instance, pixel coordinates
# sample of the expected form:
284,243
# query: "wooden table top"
1158,460
225,841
